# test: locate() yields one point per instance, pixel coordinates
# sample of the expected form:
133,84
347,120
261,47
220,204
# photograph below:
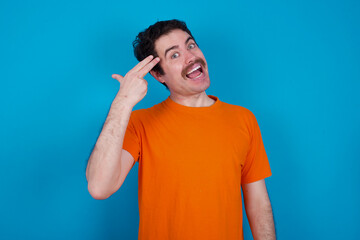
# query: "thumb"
117,77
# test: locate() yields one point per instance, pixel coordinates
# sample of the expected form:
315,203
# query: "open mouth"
195,72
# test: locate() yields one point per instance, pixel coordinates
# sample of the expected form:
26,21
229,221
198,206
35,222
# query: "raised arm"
109,163
259,211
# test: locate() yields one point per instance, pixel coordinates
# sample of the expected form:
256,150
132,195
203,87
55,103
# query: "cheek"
174,69
199,54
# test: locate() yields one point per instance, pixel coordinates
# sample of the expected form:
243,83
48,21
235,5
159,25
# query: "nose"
189,57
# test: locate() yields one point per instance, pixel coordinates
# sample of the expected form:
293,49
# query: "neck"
196,100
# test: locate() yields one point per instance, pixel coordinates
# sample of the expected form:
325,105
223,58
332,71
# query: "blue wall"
295,64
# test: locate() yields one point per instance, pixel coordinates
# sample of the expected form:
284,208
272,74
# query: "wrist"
123,102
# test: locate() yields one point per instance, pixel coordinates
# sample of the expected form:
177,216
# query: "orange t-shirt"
192,162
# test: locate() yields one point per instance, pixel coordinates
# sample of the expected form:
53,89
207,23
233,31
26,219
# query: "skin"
182,90
109,164
259,211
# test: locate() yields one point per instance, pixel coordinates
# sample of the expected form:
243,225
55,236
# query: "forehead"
175,37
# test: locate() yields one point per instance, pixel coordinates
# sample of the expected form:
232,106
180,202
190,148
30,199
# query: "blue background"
295,64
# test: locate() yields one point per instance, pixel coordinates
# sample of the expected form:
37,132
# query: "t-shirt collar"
176,106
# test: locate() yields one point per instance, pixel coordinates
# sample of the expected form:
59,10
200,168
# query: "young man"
194,151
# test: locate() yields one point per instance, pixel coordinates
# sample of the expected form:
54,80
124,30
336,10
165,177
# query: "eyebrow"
177,46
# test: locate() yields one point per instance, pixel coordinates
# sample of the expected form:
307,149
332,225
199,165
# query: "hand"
133,87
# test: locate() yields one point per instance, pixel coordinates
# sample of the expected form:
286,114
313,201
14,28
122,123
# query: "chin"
202,86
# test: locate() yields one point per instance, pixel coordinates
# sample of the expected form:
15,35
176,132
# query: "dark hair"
144,44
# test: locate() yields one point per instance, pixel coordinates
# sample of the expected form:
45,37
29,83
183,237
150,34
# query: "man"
194,151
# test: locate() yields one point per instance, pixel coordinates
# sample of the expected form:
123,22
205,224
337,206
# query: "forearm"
103,170
104,167
261,221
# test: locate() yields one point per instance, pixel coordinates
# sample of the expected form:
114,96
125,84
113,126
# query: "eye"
191,46
175,55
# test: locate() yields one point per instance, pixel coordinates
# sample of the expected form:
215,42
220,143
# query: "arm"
258,210
109,164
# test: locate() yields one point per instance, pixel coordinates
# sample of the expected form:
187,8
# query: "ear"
157,76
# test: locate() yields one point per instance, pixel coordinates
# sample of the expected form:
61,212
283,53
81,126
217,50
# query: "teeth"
194,69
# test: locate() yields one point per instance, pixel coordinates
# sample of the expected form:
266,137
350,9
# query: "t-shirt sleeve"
256,165
132,139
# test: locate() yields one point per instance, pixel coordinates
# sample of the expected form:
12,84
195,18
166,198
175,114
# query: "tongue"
194,74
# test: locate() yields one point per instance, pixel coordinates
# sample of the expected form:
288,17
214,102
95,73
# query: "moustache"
188,68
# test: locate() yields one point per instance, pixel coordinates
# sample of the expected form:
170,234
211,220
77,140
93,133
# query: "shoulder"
239,115
141,115
237,110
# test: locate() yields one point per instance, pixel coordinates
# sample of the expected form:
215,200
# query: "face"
184,64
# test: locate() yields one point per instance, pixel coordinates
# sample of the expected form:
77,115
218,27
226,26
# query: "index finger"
148,67
141,64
